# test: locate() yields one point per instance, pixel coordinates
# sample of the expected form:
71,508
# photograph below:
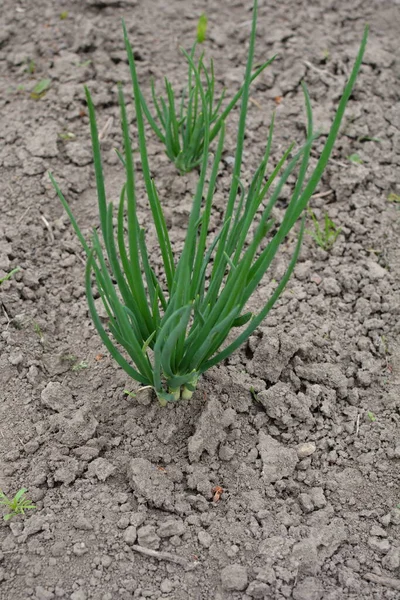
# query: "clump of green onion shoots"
181,123
166,330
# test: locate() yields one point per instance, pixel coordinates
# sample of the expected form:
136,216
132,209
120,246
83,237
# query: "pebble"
331,286
78,595
226,453
130,535
101,468
306,503
395,516
171,527
58,548
31,447
379,545
306,449
258,589
42,594
204,538
392,559
278,460
106,561
308,589
148,538
318,497
315,278
16,358
123,522
80,548
266,574
83,523
234,578
166,586
378,531
56,396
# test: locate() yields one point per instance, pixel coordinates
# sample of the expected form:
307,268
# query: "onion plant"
180,123
166,330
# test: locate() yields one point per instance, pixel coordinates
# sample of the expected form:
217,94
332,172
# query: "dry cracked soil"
300,427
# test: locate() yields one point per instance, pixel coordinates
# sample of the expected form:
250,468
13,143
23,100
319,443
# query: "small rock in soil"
77,430
68,471
278,460
171,527
258,589
83,523
308,589
392,559
226,453
34,524
234,578
378,531
130,535
325,373
209,432
148,538
306,449
150,483
318,497
306,503
79,595
101,468
204,538
284,406
42,594
79,549
166,586
380,546
56,396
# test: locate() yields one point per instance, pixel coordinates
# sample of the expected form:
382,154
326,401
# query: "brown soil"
309,463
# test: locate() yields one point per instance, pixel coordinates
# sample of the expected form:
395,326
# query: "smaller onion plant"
180,123
166,330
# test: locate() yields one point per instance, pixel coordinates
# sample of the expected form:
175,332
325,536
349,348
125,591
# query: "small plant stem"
176,392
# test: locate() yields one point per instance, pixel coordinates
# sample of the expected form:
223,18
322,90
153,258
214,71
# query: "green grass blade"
196,276
257,320
162,233
98,168
220,262
133,225
149,116
333,133
70,215
237,97
117,356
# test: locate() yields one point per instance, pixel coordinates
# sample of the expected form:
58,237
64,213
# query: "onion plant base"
166,330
